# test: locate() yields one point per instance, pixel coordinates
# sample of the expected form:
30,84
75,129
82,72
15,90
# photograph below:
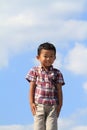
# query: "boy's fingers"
34,110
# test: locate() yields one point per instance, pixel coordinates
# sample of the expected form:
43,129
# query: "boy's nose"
48,58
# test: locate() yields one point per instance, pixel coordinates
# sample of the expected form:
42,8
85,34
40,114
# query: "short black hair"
46,46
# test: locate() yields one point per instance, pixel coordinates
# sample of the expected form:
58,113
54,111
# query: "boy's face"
46,57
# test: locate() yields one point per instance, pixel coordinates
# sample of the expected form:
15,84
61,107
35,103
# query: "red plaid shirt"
46,90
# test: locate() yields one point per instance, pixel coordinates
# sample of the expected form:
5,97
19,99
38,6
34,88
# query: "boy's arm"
31,97
60,98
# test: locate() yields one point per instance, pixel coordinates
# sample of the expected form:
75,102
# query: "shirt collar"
42,68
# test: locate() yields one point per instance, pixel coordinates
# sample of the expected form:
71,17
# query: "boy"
45,89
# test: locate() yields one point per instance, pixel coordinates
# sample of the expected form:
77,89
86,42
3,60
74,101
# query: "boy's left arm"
60,98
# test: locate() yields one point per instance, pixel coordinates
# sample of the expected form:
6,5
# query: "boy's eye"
48,56
45,56
51,56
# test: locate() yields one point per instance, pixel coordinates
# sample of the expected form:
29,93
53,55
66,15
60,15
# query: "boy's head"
46,54
46,46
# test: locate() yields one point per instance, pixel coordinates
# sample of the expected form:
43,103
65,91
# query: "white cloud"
73,30
58,60
65,124
76,60
68,7
31,22
76,121
3,57
80,128
17,127
24,19
85,86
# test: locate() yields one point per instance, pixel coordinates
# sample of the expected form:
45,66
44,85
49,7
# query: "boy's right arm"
31,97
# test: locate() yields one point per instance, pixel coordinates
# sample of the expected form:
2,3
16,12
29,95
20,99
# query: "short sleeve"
31,75
60,78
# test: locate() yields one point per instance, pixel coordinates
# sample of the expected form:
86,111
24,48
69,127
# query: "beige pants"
45,118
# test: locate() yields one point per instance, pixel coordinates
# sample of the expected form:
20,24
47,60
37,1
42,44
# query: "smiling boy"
45,95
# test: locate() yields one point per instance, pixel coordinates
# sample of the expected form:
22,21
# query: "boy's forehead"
47,51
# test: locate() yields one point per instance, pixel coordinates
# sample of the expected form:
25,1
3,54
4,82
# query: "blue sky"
23,26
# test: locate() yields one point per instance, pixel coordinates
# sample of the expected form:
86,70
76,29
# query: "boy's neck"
46,68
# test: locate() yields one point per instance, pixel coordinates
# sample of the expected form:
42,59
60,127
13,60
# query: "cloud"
85,87
32,22
76,121
80,128
17,127
76,60
58,60
3,57
65,124
67,8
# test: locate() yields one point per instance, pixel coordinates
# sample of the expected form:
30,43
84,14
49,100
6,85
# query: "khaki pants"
45,118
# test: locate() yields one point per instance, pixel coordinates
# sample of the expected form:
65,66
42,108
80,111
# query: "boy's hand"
33,108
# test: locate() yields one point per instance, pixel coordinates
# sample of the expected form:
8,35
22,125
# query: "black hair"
46,46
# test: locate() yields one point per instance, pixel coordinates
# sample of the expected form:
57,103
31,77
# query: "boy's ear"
37,57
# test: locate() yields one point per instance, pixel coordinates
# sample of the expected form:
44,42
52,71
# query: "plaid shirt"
46,90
